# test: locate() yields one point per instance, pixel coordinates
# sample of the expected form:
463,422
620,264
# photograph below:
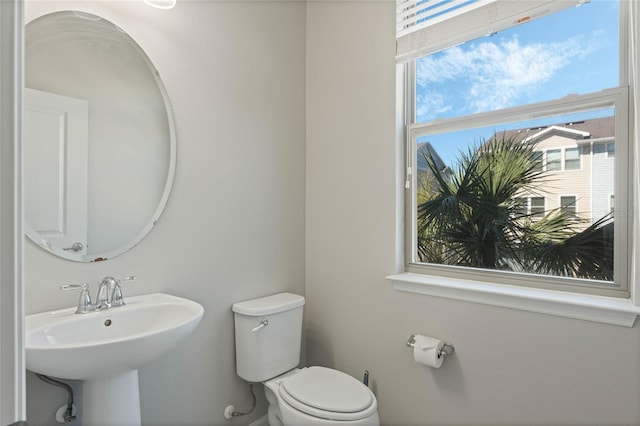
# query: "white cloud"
494,75
431,103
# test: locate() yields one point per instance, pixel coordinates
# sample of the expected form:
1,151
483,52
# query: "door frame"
12,359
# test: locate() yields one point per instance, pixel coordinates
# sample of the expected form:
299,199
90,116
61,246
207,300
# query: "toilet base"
273,414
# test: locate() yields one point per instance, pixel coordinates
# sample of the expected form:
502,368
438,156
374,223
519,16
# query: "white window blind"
427,26
413,15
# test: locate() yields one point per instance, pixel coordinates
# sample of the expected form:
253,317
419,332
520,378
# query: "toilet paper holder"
447,348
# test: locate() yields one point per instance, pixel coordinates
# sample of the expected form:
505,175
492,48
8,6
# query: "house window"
496,136
529,207
568,205
572,159
536,206
538,160
611,150
554,159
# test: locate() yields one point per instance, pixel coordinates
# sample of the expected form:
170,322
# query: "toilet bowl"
319,396
268,334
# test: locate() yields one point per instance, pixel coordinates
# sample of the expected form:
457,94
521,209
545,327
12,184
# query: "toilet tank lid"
268,305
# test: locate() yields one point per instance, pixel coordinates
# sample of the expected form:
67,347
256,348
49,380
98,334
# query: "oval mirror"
99,147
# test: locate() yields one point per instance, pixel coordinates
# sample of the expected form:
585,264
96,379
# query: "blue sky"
572,51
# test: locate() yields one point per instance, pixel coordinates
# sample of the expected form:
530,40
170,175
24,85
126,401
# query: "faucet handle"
66,287
84,302
116,295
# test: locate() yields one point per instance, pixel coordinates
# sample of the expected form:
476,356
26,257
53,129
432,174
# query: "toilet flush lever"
263,323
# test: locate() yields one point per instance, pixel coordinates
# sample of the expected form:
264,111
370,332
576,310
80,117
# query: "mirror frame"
155,217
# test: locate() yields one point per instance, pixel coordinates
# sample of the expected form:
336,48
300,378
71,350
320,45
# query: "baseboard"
262,421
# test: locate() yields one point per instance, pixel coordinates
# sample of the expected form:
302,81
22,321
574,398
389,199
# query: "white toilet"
268,336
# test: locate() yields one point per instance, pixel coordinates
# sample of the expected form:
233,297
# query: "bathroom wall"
510,367
233,228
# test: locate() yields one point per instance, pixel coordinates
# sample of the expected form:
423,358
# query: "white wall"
233,228
510,367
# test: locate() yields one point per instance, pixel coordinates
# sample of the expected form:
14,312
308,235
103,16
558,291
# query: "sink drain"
107,323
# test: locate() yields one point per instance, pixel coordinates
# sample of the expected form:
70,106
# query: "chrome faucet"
103,298
109,294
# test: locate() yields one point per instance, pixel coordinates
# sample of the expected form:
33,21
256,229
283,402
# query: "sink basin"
107,343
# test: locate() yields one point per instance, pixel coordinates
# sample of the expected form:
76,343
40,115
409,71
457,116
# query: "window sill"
606,310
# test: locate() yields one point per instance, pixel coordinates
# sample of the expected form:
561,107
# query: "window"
532,207
572,159
554,160
536,206
498,135
611,150
538,157
568,205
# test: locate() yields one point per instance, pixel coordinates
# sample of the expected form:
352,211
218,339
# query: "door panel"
55,167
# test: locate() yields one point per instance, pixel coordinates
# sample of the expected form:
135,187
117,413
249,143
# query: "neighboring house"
578,158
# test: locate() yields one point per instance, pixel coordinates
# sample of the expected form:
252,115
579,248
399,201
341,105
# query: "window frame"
558,163
533,210
617,98
540,154
571,207
564,159
573,304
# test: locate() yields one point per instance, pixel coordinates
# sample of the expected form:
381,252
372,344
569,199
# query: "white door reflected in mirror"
56,146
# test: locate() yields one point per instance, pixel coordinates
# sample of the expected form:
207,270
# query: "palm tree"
473,216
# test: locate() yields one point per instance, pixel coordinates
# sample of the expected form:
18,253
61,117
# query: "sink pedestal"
111,401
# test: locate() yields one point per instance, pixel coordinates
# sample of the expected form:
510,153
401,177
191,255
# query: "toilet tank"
268,335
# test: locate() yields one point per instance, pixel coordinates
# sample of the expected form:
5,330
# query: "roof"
594,128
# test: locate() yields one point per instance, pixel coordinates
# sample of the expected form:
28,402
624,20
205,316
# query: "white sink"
106,348
109,342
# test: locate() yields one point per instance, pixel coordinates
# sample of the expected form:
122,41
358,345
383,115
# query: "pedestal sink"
106,348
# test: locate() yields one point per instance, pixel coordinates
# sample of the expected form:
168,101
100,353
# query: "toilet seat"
328,394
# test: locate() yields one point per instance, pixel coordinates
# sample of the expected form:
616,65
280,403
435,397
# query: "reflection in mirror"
99,141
